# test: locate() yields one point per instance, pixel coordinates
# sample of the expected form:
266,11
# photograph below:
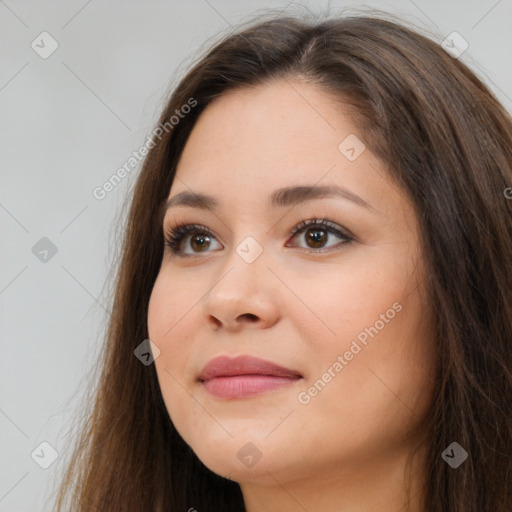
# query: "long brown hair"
447,142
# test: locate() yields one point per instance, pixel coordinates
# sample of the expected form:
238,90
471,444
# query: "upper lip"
224,366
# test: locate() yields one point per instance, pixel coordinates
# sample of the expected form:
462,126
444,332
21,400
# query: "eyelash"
174,236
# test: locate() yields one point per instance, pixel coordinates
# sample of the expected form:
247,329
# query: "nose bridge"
242,290
245,265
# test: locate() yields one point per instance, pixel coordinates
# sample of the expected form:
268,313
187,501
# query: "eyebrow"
280,198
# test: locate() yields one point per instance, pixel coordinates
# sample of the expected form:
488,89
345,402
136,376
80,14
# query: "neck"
379,485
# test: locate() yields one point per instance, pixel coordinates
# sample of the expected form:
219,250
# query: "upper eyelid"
323,222
301,224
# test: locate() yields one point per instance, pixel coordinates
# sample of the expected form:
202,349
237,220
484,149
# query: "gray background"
68,122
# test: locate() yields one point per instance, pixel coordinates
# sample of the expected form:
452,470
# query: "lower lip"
242,386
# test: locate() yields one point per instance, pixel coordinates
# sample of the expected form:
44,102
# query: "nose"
244,295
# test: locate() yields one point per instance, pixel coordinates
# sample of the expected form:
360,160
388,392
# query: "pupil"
319,239
201,239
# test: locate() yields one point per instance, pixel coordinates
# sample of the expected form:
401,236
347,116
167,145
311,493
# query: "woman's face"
336,304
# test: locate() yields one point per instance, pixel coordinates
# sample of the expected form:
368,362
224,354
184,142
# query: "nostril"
216,322
249,316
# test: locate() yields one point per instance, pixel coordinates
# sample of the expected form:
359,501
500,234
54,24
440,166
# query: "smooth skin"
346,449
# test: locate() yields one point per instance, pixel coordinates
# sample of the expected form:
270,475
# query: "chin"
242,464
244,457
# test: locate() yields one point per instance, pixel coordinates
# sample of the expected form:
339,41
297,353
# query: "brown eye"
189,239
316,234
316,237
200,242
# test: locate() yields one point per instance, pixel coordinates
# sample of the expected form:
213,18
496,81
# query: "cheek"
374,319
169,312
174,299
169,316
342,300
388,365
164,304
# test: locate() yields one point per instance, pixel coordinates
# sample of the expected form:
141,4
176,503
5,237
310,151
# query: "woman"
288,370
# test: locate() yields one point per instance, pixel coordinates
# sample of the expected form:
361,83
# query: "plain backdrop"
68,121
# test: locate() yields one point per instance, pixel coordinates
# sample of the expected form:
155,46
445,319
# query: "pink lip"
244,376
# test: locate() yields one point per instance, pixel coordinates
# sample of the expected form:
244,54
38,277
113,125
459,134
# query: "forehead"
284,129
254,140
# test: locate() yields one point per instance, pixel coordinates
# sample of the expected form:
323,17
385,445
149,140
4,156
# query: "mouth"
244,376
